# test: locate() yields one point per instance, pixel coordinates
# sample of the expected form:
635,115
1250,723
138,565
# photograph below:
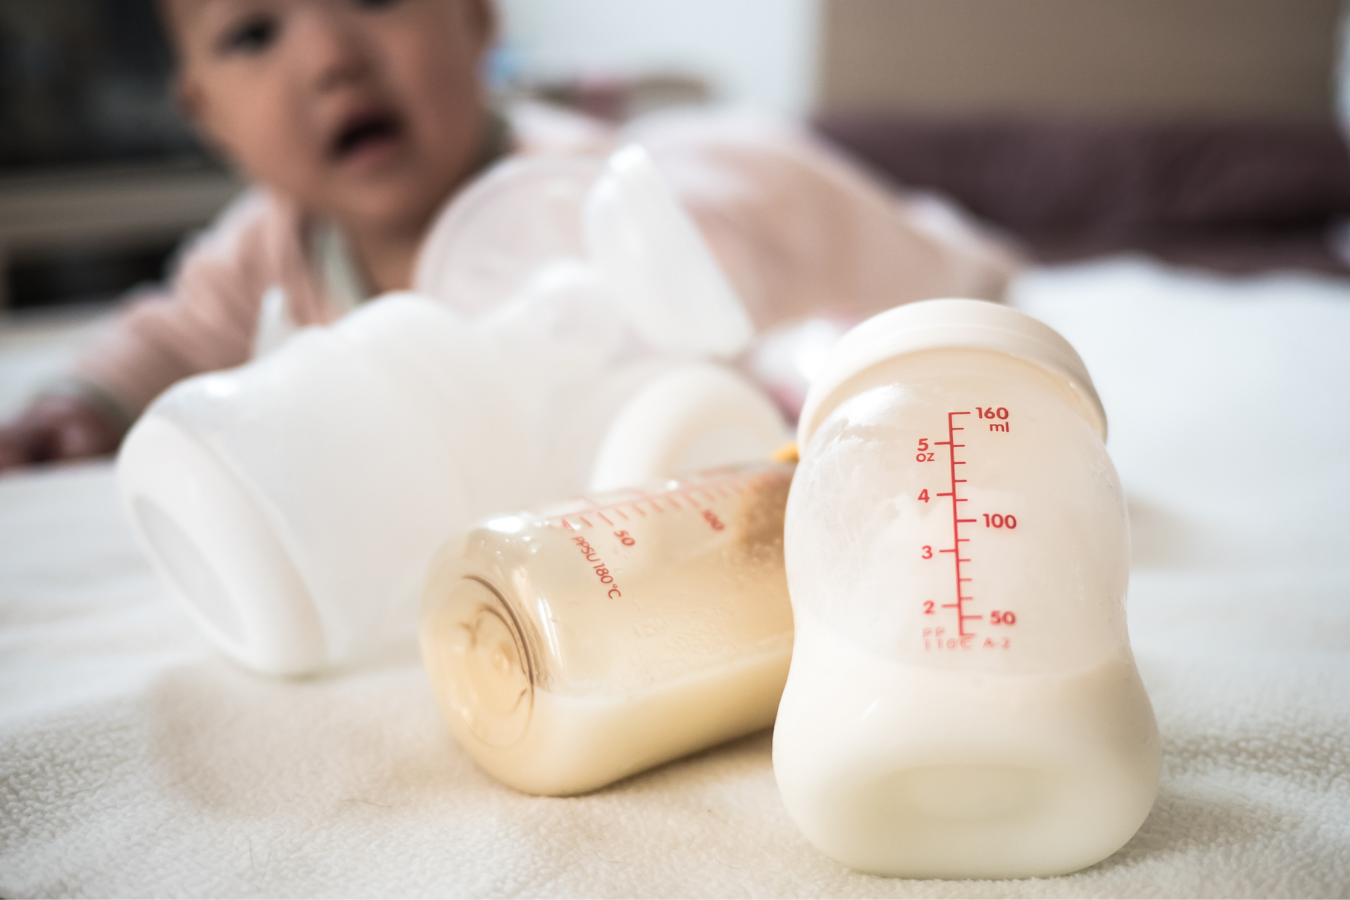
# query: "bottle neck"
939,364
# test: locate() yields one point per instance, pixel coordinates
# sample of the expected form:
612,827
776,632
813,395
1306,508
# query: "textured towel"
135,761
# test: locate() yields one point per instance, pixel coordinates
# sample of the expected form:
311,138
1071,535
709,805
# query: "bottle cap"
294,503
947,324
696,416
211,542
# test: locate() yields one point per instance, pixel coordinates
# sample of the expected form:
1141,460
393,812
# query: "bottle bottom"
901,770
575,743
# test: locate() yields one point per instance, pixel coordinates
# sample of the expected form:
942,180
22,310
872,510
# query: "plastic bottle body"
574,646
963,700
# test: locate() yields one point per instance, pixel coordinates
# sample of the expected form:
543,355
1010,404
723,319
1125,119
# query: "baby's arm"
57,426
205,321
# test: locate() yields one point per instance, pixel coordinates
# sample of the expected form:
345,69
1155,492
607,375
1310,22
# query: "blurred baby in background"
356,121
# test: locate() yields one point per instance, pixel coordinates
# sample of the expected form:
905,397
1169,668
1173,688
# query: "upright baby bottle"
575,645
962,702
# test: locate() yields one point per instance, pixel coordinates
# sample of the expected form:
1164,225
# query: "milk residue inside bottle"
576,645
963,702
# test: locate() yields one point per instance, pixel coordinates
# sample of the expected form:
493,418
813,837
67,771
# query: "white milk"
901,769
577,743
962,702
576,645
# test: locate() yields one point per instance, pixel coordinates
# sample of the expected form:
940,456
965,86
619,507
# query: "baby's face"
368,112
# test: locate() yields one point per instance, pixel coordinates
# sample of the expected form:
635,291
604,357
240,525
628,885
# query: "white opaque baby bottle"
576,645
963,701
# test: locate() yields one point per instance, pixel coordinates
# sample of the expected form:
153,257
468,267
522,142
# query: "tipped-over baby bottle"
963,702
576,645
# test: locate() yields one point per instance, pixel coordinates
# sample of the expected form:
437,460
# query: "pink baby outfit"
797,228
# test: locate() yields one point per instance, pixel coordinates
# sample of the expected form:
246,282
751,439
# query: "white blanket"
135,761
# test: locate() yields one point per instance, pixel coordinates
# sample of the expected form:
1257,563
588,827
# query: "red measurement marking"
957,521
710,492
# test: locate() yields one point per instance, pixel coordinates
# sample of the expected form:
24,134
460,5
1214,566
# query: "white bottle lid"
947,324
696,416
210,540
293,503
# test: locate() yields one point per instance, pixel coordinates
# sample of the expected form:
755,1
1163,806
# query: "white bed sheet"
134,761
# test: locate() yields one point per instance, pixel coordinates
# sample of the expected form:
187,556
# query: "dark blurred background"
83,82
99,175
1201,131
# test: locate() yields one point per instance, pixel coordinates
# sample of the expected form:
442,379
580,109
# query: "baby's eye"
251,36
375,4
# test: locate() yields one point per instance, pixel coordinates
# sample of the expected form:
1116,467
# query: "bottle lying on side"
572,646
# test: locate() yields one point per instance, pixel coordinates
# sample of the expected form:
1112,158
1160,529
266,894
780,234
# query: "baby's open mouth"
365,130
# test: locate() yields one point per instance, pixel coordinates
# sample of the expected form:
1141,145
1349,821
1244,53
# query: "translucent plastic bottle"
963,702
579,644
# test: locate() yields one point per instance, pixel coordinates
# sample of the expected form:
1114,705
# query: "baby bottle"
963,702
580,643
295,503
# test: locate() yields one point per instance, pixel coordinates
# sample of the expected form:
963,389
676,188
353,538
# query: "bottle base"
907,771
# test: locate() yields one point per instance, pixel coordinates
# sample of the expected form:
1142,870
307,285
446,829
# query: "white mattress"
135,761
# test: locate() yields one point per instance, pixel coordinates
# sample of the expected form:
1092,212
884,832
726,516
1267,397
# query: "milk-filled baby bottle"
572,646
963,702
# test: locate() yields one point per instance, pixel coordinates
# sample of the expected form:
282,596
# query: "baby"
356,121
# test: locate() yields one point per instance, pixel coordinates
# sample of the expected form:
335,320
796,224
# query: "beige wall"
1134,58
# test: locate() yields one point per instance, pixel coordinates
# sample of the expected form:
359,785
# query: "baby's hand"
55,427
